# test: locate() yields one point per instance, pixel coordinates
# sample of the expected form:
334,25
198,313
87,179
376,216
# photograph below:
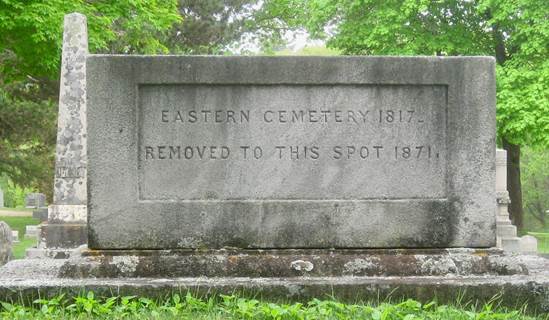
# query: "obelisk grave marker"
67,216
290,152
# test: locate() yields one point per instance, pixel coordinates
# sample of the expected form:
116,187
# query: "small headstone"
31,231
1,198
15,236
528,245
40,214
5,243
35,200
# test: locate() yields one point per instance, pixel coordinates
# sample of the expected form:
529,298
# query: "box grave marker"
290,152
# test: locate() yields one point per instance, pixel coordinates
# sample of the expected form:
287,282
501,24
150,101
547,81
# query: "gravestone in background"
35,200
32,231
15,236
290,152
1,198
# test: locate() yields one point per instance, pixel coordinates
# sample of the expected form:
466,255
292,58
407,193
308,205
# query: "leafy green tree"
30,53
535,168
212,26
31,31
516,32
27,134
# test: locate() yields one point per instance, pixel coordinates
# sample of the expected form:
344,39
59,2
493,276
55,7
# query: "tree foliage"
31,33
212,26
27,134
516,32
536,186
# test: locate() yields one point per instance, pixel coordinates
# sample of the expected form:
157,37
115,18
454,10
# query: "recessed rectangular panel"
313,142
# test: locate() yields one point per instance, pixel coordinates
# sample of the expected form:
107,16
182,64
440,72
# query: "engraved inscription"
291,141
63,171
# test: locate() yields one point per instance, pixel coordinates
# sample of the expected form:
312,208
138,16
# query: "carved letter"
149,151
164,115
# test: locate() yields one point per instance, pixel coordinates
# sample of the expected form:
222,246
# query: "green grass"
543,241
233,307
19,224
19,249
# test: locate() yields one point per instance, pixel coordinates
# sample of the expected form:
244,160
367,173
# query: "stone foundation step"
289,263
513,291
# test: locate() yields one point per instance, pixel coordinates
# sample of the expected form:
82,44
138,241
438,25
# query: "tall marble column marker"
67,216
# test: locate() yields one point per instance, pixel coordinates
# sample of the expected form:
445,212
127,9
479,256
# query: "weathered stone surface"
1,198
70,189
71,160
267,152
67,213
63,235
289,263
15,236
5,243
51,253
35,200
27,279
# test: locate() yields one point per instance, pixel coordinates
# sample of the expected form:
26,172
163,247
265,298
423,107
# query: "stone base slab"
46,253
64,235
67,213
506,230
289,263
26,280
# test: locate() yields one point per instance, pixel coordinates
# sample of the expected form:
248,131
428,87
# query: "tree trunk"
513,183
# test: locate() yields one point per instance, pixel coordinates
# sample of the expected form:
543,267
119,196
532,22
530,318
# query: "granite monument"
66,217
290,152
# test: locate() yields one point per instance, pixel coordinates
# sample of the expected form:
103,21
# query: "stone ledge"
290,263
514,291
25,280
64,235
47,253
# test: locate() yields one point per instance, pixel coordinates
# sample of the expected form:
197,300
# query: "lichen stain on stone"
301,265
360,265
126,264
436,266
507,265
